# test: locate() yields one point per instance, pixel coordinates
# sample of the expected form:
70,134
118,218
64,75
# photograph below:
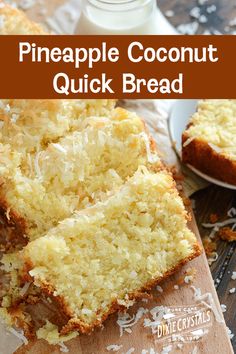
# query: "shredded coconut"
150,351
25,288
167,349
152,158
229,332
159,288
158,314
86,312
125,321
213,258
19,334
36,165
130,351
216,226
195,12
63,348
188,28
188,141
202,298
203,19
188,279
210,9
233,276
215,147
133,274
27,4
223,307
232,290
169,13
114,347
232,23
194,350
59,148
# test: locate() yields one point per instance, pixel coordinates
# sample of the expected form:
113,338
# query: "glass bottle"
122,17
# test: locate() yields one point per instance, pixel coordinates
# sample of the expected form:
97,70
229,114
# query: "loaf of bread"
209,141
101,218
29,125
42,188
14,22
105,255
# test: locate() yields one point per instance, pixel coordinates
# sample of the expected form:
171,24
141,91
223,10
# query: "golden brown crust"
14,225
199,154
75,324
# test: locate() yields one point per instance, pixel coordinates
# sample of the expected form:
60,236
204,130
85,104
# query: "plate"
179,118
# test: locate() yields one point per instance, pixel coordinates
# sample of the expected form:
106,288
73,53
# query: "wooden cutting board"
216,341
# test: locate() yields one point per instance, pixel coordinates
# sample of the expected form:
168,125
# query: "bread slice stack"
209,142
100,216
100,258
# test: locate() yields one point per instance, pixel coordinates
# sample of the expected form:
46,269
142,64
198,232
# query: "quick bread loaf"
209,141
101,218
106,255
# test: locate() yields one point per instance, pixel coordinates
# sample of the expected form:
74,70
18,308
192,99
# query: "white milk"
122,17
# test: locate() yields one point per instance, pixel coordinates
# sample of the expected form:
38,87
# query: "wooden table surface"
213,200
216,21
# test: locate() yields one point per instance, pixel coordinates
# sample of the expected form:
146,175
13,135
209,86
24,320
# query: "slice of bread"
14,22
40,189
83,184
209,142
101,257
29,125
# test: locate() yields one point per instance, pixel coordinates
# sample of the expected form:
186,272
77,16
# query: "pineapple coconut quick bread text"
98,217
209,142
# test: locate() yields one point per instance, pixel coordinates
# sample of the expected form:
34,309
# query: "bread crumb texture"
133,232
215,123
83,183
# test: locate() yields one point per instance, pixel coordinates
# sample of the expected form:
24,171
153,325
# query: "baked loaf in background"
209,141
100,216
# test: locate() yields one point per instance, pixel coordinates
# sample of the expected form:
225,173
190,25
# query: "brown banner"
117,66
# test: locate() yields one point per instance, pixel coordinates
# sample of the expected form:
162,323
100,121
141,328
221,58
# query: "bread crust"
15,227
75,324
200,154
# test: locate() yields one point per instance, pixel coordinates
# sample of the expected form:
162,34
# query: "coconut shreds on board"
159,288
194,350
19,334
150,351
126,321
114,347
63,348
167,349
157,314
188,279
130,351
232,290
207,300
